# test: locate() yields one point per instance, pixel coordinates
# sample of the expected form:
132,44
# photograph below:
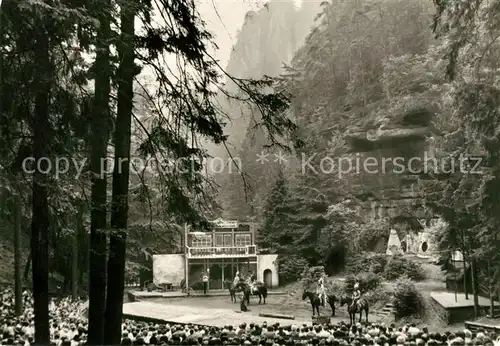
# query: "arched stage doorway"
425,246
268,278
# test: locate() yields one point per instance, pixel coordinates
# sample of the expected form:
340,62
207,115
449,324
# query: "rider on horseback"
252,280
320,291
356,294
236,279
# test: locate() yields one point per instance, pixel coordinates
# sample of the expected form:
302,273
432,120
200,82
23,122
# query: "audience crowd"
69,328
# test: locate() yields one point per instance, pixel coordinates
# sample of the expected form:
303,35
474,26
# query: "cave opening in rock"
335,261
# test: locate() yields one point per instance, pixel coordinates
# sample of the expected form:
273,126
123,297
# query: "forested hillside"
268,39
356,72
368,84
102,107
266,42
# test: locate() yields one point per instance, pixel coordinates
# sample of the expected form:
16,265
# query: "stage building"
229,247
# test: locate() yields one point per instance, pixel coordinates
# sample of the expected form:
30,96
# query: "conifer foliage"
52,52
276,216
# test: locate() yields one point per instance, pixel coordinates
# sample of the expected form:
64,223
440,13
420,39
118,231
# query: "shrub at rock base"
374,263
291,268
310,277
407,300
335,287
367,282
399,266
378,298
371,289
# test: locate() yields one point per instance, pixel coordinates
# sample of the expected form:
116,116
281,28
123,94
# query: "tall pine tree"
276,215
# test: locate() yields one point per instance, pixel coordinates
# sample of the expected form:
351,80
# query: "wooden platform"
135,295
447,300
162,313
461,309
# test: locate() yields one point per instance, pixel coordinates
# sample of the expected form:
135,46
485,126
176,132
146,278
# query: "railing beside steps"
475,326
215,251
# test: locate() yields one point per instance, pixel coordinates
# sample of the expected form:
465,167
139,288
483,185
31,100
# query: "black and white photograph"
250,172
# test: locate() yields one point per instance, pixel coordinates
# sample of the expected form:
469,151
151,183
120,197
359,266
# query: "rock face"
268,39
376,100
389,162
388,157
389,190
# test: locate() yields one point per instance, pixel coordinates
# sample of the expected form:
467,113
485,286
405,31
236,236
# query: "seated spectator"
68,329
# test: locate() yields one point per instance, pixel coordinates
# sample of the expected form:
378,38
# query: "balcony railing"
215,251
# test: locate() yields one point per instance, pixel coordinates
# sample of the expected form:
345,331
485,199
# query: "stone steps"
386,311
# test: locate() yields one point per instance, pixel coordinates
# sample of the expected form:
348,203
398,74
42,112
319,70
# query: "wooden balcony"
221,252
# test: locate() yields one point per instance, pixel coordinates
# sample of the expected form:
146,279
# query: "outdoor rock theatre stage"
222,252
164,313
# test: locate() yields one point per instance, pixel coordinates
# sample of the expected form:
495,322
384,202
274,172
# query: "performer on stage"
320,291
236,279
205,282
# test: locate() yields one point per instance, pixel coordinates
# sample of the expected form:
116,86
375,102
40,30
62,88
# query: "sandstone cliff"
366,75
268,39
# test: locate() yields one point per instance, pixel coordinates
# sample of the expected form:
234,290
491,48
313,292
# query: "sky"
224,19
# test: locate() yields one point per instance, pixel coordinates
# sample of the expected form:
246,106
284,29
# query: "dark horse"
316,301
260,290
353,309
232,290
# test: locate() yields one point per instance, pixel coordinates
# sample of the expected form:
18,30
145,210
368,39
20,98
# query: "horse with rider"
356,303
320,289
319,298
249,287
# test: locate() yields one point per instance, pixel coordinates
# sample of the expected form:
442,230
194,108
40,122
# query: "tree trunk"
74,261
40,205
18,270
27,267
464,260
465,256
473,270
119,204
491,292
82,248
66,283
99,144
